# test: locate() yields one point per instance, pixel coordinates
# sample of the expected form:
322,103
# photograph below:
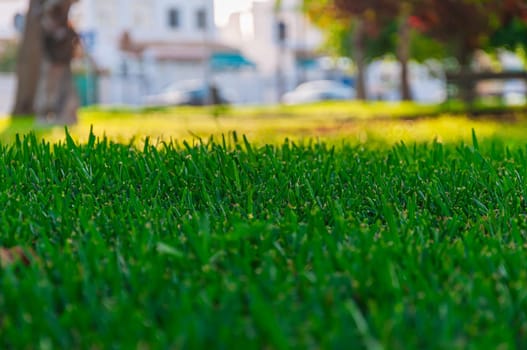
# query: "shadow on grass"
483,109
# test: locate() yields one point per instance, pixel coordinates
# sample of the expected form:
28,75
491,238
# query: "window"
201,19
173,18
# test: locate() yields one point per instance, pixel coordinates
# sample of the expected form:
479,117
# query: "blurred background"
172,52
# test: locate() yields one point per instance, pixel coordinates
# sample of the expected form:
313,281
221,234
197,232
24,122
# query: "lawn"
331,239
377,122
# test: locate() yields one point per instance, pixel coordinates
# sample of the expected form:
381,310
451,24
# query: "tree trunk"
28,62
403,54
56,101
467,87
359,56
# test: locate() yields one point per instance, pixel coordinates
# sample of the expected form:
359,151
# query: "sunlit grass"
356,122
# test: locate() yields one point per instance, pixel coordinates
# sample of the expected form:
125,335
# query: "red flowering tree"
465,25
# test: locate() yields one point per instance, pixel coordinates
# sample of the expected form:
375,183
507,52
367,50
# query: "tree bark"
359,56
403,54
56,101
28,62
467,89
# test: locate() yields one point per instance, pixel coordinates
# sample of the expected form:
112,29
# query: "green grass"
229,244
355,122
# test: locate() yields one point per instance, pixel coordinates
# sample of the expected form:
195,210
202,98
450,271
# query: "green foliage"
224,244
423,48
384,43
337,30
443,28
465,26
337,39
511,36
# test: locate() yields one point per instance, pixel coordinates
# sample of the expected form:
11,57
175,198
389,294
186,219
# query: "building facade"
282,42
102,24
143,45
9,10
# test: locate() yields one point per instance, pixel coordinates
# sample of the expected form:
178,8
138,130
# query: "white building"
102,24
8,10
283,63
145,45
8,35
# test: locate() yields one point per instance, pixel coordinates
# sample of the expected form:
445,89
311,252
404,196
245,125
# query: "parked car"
319,90
187,93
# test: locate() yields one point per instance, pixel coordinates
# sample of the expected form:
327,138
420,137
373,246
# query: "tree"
371,17
372,28
28,62
512,34
465,25
47,49
340,32
403,48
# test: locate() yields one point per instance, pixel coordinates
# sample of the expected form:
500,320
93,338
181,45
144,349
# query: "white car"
185,93
319,90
